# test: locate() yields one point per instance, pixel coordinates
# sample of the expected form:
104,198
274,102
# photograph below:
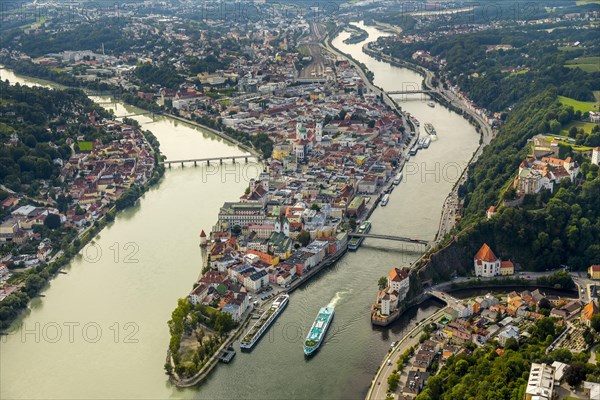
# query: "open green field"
565,140
57,69
582,106
304,51
5,129
586,126
569,48
586,67
585,60
588,64
85,146
522,71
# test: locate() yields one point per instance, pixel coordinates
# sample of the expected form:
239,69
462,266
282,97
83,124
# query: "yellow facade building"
594,271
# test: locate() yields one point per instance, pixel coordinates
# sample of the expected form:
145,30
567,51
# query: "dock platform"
225,356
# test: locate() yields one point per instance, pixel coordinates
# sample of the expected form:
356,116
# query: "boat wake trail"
336,298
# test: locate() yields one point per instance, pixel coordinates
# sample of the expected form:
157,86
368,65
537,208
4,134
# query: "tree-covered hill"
35,124
499,79
111,33
548,229
485,375
565,230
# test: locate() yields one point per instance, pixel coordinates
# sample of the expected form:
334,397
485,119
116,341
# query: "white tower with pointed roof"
318,131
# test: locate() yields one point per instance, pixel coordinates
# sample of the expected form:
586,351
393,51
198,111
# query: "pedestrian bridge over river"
410,91
388,237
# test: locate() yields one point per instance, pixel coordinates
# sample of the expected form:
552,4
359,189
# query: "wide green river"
100,330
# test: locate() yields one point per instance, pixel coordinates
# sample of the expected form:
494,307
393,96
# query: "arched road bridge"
207,160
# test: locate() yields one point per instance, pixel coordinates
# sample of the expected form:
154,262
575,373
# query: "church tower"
300,131
319,131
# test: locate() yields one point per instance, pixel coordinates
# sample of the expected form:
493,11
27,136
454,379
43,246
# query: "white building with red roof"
398,281
398,285
486,263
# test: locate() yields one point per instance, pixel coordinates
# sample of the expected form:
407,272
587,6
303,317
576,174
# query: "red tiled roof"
486,254
590,310
398,275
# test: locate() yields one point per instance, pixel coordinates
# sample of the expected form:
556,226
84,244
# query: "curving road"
378,389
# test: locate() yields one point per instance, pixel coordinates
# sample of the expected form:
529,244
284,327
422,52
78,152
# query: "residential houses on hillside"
94,177
499,319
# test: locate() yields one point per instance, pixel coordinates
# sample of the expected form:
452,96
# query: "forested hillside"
499,79
485,374
31,118
535,83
